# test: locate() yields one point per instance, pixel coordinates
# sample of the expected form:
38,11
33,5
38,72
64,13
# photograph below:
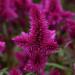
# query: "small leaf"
30,74
69,72
17,48
61,52
56,66
3,71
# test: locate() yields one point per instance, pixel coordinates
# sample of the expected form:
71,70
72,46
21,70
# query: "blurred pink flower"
2,46
7,10
71,28
14,71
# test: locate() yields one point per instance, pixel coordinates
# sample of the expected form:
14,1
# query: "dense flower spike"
39,42
52,5
24,5
7,9
71,28
42,24
2,46
53,10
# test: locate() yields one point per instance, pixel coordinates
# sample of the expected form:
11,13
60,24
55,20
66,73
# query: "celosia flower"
2,46
7,9
39,42
56,14
52,5
54,18
53,10
71,28
24,4
14,71
67,15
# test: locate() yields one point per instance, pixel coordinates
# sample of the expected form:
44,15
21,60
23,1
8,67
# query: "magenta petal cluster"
2,46
7,9
39,43
71,28
53,10
52,5
14,71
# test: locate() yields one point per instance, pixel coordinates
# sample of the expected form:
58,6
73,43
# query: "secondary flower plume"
7,10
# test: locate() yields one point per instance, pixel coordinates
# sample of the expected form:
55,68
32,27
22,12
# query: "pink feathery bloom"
57,19
14,71
23,7
51,6
2,46
39,42
24,3
66,15
55,14
54,18
7,10
52,10
71,28
54,72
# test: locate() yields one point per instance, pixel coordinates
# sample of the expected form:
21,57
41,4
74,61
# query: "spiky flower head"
39,42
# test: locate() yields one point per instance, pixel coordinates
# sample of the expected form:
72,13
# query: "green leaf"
61,52
69,72
47,68
3,71
30,74
36,1
56,66
5,29
17,48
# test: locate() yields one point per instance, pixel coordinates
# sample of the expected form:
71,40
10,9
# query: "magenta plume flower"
55,14
7,9
71,28
53,10
39,42
52,5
